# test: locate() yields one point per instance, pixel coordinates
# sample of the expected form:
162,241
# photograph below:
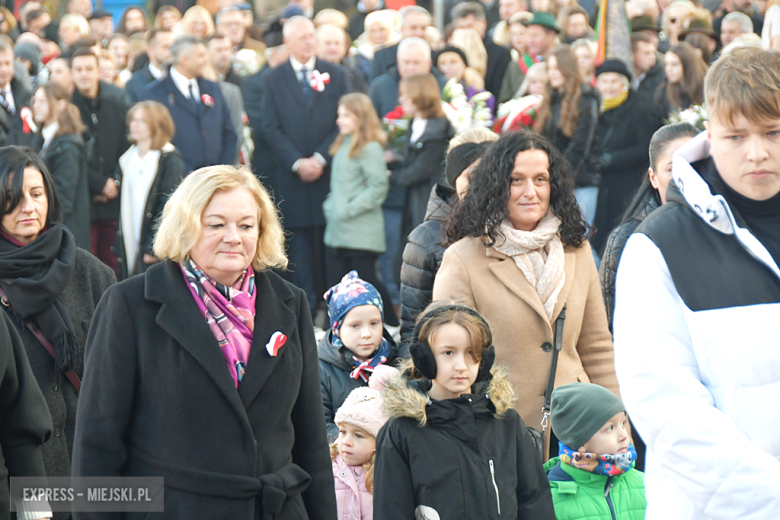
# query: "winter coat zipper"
493,476
607,489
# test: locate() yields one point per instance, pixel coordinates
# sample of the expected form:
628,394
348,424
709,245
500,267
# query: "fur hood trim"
402,399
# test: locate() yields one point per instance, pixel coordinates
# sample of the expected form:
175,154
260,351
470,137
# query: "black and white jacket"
697,353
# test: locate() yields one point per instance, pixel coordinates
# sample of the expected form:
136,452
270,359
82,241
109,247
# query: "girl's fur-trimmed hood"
402,399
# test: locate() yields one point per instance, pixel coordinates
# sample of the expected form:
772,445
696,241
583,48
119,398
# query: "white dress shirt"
418,129
48,133
298,67
156,73
183,84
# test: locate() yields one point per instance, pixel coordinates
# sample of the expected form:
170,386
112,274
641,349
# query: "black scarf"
33,277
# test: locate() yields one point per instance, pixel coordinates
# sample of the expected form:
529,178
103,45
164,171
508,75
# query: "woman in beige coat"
518,254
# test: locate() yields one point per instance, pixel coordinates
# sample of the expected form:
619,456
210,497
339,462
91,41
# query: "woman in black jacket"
623,135
149,171
568,117
650,195
26,423
427,139
684,85
203,370
425,248
50,290
61,147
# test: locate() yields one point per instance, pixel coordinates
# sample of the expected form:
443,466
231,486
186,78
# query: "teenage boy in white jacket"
697,318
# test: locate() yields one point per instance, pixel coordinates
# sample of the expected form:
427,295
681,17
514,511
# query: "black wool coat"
170,172
89,281
26,423
623,135
106,135
158,400
498,59
66,159
297,129
422,258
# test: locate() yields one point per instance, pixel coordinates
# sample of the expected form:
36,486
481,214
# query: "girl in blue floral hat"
355,345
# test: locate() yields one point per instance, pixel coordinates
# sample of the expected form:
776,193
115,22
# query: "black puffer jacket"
579,149
422,258
469,458
614,249
335,367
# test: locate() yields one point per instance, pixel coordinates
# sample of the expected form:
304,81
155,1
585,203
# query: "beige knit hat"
363,407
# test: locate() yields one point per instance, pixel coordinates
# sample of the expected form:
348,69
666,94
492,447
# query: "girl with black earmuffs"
454,447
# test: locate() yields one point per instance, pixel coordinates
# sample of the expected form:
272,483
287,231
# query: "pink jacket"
353,499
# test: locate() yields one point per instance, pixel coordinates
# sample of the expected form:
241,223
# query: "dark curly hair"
484,207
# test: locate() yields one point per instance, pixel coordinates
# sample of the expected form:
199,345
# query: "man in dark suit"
471,15
103,110
414,21
14,103
204,133
159,51
299,113
220,51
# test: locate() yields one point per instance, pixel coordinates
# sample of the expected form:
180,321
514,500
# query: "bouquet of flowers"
516,114
463,112
396,125
247,62
695,115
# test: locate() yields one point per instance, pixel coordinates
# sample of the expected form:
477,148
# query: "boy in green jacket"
594,476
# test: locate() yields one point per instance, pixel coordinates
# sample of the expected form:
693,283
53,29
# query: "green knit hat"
579,410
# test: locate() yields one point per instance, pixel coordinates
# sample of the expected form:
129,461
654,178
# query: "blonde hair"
476,135
180,226
185,25
158,118
469,42
370,128
78,21
161,11
333,17
387,19
691,11
537,69
368,466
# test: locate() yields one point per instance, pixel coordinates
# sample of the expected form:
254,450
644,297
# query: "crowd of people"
486,271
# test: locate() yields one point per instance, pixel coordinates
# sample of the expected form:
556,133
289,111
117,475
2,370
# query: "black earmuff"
423,358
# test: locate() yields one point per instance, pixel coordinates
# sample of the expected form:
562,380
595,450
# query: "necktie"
193,97
305,85
4,101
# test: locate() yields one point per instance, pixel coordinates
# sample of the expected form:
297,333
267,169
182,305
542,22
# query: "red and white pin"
278,339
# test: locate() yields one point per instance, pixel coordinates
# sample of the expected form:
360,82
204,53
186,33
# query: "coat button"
56,387
148,215
547,346
57,432
343,474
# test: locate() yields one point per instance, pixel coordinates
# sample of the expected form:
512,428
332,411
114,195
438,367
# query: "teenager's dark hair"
484,207
13,161
662,138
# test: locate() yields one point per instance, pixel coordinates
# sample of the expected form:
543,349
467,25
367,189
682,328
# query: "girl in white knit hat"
359,420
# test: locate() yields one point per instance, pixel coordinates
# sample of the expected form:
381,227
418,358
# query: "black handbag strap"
557,346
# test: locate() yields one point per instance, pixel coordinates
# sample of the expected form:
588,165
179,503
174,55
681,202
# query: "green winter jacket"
353,209
581,495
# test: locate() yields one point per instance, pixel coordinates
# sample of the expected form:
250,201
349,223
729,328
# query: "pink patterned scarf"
229,313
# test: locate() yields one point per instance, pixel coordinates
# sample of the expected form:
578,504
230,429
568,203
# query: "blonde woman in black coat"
204,370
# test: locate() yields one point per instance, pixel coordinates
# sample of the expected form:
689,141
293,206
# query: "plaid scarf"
229,313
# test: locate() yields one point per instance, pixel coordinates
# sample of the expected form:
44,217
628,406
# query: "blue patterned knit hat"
349,293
